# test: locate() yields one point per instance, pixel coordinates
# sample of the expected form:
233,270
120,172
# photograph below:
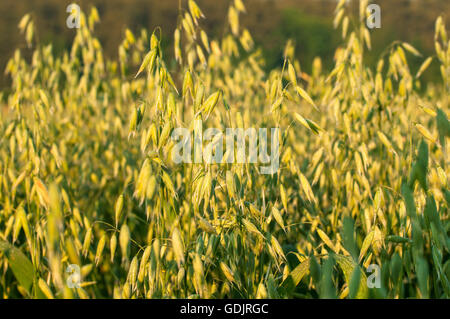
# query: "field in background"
270,22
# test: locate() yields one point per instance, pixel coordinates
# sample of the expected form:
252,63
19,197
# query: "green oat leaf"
347,264
20,265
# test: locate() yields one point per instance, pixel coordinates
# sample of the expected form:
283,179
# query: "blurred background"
271,23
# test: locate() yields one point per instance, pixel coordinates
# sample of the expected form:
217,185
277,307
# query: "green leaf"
420,167
398,239
408,198
443,125
347,264
355,282
422,158
20,265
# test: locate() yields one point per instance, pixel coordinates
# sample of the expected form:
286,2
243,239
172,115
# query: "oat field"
93,206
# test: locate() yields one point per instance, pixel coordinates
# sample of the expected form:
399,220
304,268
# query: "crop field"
93,204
